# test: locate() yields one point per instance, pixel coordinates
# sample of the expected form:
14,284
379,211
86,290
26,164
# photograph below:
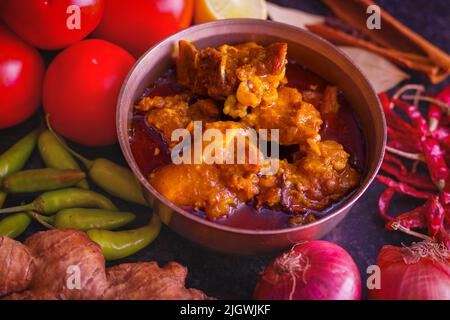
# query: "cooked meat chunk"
167,114
325,99
297,121
50,263
246,75
313,182
320,175
330,102
147,281
17,266
195,186
217,187
156,103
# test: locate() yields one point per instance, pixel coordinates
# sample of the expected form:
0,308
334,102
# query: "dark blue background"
361,233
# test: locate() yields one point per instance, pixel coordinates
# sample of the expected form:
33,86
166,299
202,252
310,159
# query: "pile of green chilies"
65,200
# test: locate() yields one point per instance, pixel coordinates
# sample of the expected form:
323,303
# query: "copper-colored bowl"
308,50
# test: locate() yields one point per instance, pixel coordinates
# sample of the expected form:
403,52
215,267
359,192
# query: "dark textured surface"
361,233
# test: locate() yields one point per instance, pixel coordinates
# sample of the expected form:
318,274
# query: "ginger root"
66,265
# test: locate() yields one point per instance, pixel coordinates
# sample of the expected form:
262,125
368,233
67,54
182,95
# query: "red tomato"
45,24
21,75
81,88
139,25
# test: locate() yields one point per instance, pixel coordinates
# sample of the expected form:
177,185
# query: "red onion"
419,272
315,270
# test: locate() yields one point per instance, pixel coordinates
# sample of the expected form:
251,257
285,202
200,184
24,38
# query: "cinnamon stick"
394,40
411,61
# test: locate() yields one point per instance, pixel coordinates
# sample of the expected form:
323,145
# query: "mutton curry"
238,89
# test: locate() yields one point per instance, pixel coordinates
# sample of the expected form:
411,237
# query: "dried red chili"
413,114
445,198
399,145
393,119
384,99
412,179
404,188
415,140
383,203
389,158
444,97
407,141
445,202
434,158
435,215
434,117
414,219
442,134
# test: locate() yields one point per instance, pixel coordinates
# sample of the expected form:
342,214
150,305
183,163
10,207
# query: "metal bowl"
308,50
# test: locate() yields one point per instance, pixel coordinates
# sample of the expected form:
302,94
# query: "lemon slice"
209,10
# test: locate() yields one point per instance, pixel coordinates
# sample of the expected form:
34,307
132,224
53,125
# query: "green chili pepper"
86,219
56,156
54,201
37,180
15,158
115,180
111,177
120,244
14,225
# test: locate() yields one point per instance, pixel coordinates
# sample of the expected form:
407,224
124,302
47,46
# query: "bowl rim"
344,206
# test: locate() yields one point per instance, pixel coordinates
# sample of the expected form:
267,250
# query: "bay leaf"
382,74
293,17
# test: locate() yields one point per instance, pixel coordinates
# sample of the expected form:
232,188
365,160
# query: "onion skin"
425,279
329,274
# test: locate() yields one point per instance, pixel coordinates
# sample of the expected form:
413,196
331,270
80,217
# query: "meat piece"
167,114
194,186
330,102
16,266
59,255
246,75
313,182
215,187
49,264
325,99
297,121
147,281
320,176
156,103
